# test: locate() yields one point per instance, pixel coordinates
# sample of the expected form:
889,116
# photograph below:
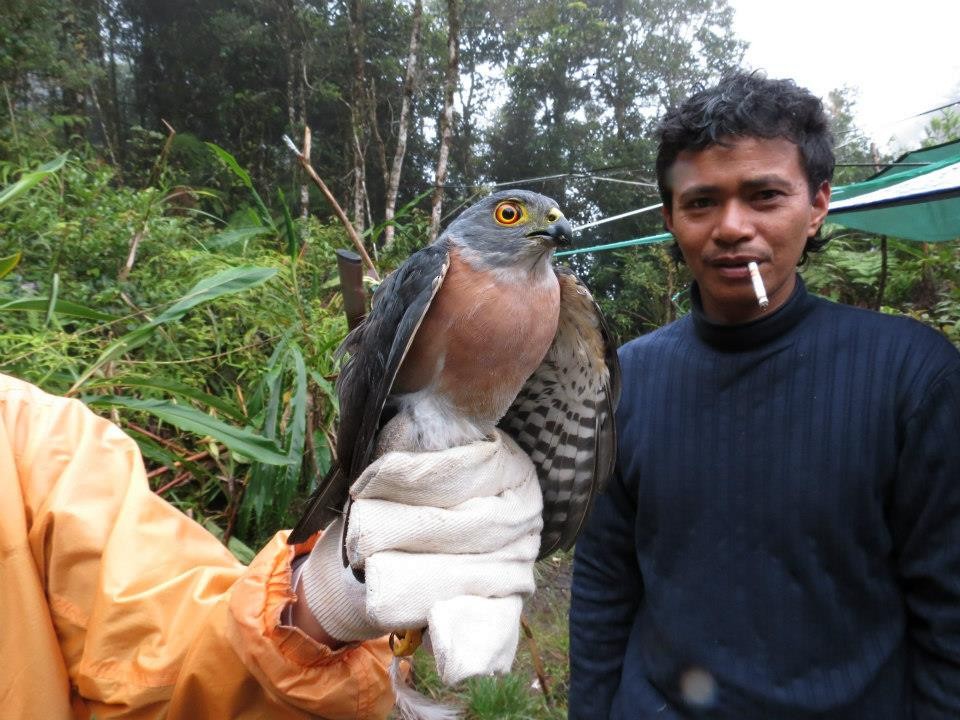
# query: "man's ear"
821,205
667,217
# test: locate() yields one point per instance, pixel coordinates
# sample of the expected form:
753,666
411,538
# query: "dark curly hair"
749,105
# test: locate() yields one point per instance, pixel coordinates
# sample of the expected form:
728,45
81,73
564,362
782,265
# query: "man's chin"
731,308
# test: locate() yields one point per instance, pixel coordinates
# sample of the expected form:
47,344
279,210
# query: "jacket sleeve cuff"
352,682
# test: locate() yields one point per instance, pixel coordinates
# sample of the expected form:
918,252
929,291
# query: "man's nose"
735,223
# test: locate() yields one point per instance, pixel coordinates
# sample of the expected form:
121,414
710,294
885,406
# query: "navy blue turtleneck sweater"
782,537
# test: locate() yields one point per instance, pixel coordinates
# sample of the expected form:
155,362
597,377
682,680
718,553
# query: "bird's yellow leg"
405,642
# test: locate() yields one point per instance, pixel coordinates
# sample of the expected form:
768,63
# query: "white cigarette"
758,289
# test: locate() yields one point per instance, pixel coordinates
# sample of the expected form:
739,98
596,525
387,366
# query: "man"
782,537
115,604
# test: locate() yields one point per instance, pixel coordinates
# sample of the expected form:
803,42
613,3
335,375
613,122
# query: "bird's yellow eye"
508,213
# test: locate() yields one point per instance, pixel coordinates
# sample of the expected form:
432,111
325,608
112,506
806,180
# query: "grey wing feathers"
377,348
564,415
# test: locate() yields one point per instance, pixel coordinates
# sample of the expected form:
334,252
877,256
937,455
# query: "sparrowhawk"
475,331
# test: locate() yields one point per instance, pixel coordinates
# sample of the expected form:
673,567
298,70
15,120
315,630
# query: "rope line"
617,217
650,240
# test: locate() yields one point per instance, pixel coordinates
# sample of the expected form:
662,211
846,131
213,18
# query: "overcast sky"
901,56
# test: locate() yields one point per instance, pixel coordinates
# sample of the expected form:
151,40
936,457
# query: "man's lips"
732,260
734,267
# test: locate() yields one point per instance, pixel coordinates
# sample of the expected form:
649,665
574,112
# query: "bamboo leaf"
231,162
7,264
243,440
297,427
258,400
272,485
328,389
271,386
408,207
180,390
259,489
232,237
61,307
28,180
223,283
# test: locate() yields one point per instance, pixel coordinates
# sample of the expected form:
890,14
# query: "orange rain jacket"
113,604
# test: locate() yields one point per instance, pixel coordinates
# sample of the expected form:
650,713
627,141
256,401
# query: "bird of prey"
475,331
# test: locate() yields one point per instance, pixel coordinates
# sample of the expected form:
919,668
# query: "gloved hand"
444,539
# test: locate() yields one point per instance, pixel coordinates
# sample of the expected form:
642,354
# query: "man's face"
745,200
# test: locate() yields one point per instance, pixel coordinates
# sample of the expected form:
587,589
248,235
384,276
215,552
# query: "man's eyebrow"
697,190
767,181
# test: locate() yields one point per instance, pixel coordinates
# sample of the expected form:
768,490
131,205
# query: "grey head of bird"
508,229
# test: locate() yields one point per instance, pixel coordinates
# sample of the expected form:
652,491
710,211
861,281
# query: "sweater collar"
744,336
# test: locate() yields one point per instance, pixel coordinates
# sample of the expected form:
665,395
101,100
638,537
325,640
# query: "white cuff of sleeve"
332,593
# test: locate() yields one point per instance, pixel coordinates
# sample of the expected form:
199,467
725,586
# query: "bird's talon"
404,643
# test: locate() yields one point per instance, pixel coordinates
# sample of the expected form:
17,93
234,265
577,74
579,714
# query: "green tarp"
917,197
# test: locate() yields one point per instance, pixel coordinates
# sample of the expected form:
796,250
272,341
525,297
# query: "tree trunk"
359,176
116,111
358,116
467,160
304,186
446,119
620,102
409,89
370,97
291,75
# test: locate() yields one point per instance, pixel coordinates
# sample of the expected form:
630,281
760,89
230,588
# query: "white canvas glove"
444,539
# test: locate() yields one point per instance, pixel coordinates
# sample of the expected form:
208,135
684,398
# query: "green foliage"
216,356
231,163
8,263
943,127
641,287
29,179
209,288
922,279
501,698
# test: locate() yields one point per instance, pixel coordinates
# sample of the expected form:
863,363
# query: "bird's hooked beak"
559,231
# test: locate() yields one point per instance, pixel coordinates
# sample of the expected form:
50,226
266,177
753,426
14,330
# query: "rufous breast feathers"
482,337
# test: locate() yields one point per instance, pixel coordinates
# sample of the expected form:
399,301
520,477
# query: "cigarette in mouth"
758,289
